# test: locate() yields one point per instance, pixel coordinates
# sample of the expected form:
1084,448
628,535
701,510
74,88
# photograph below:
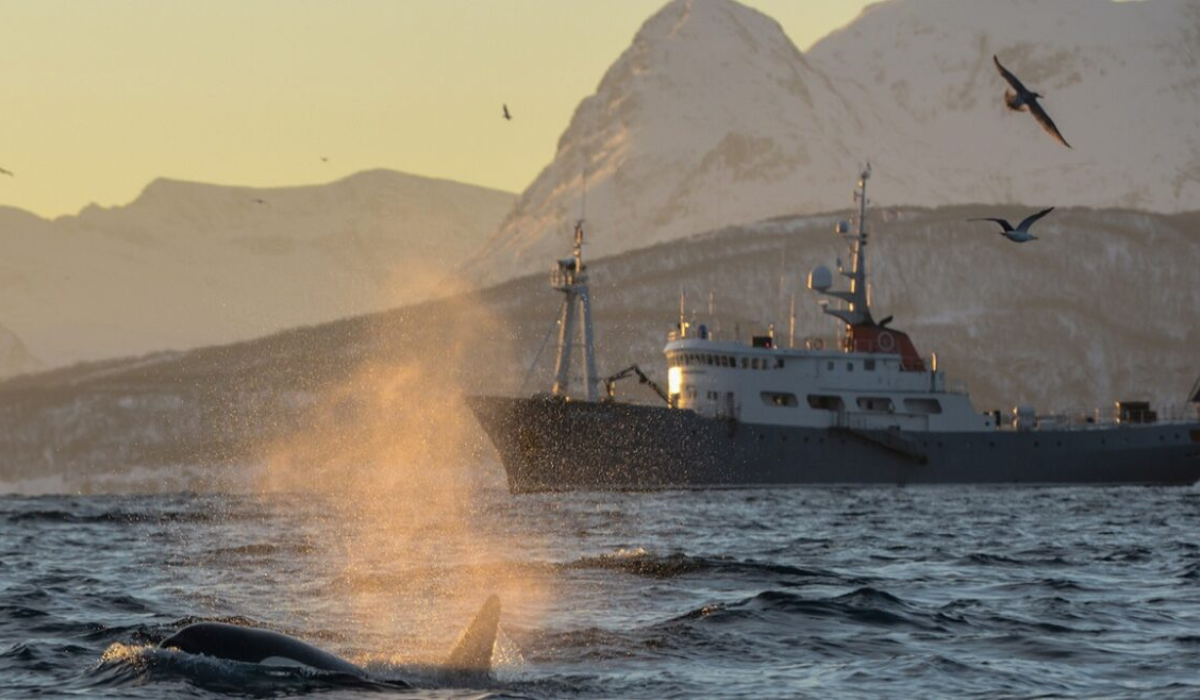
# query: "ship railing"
1104,418
695,332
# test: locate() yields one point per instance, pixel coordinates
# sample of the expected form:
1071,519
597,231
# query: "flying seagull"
1020,234
1021,97
506,114
5,171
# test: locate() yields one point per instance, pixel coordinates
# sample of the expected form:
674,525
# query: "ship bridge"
870,378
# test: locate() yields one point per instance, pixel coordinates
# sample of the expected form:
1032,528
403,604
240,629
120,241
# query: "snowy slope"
190,264
713,117
1121,80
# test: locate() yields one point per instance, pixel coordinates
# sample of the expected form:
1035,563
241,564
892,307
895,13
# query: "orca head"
198,638
215,639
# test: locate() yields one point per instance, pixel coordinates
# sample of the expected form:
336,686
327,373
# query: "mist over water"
821,592
390,455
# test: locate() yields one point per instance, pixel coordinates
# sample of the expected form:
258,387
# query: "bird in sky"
506,114
1020,97
1020,234
5,171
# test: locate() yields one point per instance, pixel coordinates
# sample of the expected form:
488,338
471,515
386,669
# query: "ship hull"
553,445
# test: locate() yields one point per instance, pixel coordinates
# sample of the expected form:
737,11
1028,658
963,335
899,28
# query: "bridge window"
775,398
869,365
928,407
880,404
825,402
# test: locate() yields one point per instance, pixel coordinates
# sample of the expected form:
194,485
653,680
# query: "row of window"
875,404
700,359
868,365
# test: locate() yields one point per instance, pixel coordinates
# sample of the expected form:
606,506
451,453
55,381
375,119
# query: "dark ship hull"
556,445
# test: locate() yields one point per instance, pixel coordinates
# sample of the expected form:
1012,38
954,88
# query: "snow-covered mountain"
713,117
188,264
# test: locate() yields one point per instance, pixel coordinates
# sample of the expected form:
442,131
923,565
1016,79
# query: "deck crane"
610,388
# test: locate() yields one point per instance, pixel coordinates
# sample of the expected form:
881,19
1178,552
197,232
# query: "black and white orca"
471,657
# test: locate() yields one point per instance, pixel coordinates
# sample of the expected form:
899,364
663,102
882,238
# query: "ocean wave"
117,516
639,562
863,606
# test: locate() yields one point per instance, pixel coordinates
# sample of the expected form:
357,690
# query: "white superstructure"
874,380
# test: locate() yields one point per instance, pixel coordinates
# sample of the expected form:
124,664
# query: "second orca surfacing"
470,659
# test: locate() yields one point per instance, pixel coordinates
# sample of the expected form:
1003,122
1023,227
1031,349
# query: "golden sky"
100,98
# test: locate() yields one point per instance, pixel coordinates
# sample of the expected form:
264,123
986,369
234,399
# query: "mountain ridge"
713,117
189,264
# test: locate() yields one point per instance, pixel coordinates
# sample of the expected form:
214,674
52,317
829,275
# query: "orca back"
255,646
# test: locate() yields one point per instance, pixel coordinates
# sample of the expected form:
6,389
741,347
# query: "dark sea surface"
820,592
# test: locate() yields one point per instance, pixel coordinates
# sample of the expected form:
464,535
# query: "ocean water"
817,592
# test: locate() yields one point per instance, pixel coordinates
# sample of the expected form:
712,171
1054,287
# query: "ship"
866,409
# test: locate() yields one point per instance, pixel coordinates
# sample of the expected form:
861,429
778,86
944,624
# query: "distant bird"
1021,97
260,201
324,159
1020,234
506,114
6,172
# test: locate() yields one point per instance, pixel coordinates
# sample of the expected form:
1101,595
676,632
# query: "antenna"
792,324
682,314
583,199
782,272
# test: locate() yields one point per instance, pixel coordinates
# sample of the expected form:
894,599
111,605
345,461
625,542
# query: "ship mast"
858,311
570,278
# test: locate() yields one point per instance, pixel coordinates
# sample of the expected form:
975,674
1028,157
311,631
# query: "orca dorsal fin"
473,652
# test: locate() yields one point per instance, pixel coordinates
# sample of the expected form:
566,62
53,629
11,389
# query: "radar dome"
820,278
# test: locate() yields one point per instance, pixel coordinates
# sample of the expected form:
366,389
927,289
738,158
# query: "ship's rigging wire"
537,357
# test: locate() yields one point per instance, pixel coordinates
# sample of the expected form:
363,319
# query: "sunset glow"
102,98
